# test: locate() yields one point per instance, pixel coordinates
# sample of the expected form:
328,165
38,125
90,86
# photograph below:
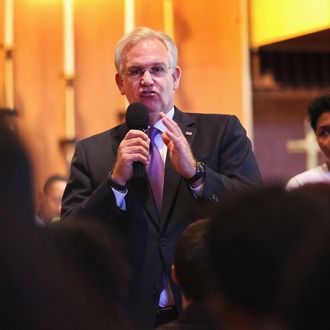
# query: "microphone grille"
137,116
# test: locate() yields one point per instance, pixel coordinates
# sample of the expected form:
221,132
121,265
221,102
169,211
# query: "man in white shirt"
319,117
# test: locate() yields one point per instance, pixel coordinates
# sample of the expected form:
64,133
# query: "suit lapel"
118,135
141,189
172,178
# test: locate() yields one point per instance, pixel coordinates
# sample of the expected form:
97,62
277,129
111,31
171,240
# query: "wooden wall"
211,37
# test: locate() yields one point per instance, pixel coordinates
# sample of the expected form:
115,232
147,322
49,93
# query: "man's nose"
146,78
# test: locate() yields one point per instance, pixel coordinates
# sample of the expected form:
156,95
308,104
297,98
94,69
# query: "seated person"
191,272
306,283
251,240
50,199
37,292
97,255
319,118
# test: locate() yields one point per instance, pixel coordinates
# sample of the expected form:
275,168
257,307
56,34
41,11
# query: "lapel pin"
188,133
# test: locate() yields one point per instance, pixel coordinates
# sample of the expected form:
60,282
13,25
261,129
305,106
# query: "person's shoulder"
210,116
105,135
310,176
226,124
209,119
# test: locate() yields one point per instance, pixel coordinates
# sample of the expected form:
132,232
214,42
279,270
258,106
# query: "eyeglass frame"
166,69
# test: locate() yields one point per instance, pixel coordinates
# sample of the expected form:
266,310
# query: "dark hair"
317,107
191,261
96,252
37,291
16,179
250,237
52,179
306,289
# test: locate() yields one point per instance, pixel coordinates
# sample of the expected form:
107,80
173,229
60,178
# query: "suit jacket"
217,140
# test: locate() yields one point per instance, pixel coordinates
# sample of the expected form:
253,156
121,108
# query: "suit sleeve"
237,167
82,196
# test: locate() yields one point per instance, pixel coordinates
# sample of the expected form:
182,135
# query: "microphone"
137,117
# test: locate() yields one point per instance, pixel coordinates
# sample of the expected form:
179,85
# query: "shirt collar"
160,124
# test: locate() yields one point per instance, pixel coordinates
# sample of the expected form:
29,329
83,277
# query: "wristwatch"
200,172
115,185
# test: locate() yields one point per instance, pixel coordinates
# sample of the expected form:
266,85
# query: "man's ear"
174,277
119,82
176,77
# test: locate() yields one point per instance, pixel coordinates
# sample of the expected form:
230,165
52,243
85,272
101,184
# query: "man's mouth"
147,94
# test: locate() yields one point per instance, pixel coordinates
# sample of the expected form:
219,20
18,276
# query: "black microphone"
137,117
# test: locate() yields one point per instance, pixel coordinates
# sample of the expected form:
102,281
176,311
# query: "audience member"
251,238
195,160
319,118
20,294
97,254
191,272
50,200
306,288
36,292
16,197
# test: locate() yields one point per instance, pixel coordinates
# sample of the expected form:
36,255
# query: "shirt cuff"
120,198
197,191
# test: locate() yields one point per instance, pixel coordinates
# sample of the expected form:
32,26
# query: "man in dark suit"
203,157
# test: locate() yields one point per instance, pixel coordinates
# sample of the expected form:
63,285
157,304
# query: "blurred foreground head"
37,291
252,238
191,262
306,281
96,253
16,196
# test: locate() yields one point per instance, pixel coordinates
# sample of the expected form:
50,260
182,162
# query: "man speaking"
189,160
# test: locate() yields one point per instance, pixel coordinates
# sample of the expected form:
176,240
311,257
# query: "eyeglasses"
156,71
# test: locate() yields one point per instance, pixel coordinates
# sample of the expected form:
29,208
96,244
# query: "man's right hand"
133,148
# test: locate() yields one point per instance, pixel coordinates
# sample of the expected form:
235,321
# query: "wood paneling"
210,40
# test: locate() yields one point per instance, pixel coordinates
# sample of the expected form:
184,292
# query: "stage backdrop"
212,41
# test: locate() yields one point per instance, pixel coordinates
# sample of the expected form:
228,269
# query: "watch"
115,185
200,172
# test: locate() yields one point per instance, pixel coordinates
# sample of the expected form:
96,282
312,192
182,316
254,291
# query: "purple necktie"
155,169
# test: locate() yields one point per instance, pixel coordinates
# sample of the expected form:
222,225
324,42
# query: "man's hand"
133,148
179,150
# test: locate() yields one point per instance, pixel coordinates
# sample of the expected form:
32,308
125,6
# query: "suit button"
155,290
163,241
215,198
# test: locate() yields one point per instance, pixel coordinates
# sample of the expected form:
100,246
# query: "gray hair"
144,33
